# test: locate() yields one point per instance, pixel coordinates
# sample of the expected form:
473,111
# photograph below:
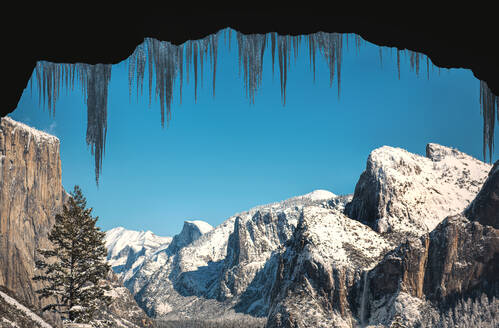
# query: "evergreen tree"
75,267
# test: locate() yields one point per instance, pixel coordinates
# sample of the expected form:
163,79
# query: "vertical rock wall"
31,193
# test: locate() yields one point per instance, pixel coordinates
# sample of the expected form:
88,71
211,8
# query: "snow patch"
39,136
25,310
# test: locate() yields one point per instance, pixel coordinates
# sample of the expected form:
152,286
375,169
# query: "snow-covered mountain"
127,249
404,192
308,261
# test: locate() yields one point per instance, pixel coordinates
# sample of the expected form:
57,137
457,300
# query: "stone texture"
484,208
457,260
31,194
411,194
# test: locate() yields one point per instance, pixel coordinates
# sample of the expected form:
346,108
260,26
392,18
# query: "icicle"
167,60
358,42
311,51
428,66
150,56
398,62
282,54
180,65
489,104
331,46
195,63
214,55
97,83
251,51
417,64
381,57
273,44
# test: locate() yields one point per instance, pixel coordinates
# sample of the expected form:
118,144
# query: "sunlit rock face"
316,261
445,277
31,194
339,272
225,270
405,193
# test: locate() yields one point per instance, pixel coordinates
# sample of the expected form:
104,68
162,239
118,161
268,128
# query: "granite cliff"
31,193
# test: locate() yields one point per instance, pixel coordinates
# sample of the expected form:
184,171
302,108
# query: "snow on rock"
404,192
127,249
191,231
37,135
306,261
24,310
326,257
214,267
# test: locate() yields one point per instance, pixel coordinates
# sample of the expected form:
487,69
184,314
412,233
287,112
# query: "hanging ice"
489,105
165,61
94,81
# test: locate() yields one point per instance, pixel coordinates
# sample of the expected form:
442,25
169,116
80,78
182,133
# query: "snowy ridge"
27,312
38,136
220,264
255,262
127,249
337,240
405,192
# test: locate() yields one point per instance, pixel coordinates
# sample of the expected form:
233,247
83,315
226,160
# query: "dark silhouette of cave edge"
93,36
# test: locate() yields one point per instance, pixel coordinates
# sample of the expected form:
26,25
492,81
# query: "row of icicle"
167,61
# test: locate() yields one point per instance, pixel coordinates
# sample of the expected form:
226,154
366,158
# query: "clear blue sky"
221,155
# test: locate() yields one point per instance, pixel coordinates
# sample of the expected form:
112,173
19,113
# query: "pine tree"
75,267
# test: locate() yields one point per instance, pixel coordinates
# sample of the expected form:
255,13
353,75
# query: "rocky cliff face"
31,194
224,271
408,193
455,263
399,251
416,279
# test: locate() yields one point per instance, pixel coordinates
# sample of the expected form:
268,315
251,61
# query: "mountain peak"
320,194
402,191
437,152
191,231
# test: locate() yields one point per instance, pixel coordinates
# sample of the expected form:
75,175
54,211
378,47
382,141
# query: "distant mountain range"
414,245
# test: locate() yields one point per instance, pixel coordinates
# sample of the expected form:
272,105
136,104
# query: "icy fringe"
167,61
489,105
94,82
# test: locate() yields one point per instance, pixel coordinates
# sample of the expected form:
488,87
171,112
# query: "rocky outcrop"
123,311
484,208
404,192
191,231
250,245
412,280
16,314
31,194
458,260
316,281
304,263
127,249
224,271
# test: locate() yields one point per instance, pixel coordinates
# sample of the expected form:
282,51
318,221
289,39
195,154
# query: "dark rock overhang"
92,35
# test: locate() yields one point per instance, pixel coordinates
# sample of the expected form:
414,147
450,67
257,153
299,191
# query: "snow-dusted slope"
306,257
14,314
218,265
327,254
404,192
127,249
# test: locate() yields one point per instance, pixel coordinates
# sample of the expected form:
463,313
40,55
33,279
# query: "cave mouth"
265,66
